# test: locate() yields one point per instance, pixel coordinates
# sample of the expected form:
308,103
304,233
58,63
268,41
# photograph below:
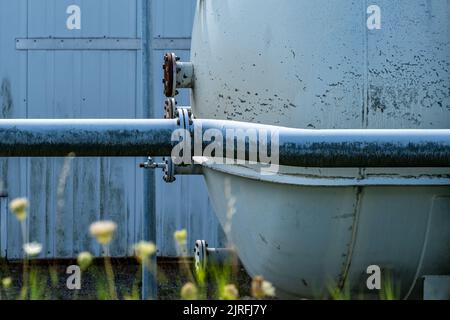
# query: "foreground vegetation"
37,285
220,282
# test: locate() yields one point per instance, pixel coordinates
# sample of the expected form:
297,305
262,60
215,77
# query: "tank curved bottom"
309,239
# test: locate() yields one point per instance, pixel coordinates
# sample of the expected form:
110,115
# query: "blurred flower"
84,260
144,249
268,289
230,292
261,288
103,231
7,282
189,292
32,249
181,237
19,207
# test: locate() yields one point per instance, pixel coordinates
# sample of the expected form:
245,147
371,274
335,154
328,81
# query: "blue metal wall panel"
74,84
173,18
93,84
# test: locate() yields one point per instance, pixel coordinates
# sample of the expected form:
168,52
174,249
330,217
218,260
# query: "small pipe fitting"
184,75
177,74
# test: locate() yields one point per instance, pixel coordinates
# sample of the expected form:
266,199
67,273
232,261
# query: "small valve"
151,164
170,106
167,167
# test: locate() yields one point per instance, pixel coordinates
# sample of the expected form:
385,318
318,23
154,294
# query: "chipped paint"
340,76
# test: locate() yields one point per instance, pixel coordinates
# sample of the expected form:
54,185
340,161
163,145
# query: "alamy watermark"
229,146
374,280
73,282
374,19
73,21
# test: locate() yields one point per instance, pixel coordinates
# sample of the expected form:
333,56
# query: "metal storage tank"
329,65
51,67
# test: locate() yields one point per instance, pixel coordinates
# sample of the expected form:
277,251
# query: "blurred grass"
170,279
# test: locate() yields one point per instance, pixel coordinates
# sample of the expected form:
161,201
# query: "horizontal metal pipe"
86,138
296,147
340,148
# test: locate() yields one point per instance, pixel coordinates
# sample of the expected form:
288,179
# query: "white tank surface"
329,65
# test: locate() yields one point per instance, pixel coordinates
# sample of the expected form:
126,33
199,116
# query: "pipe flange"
170,106
169,170
185,117
200,255
170,74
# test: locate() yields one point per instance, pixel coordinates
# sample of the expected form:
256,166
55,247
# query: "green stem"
24,289
137,280
110,275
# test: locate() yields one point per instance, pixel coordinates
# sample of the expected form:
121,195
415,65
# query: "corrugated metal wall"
48,83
